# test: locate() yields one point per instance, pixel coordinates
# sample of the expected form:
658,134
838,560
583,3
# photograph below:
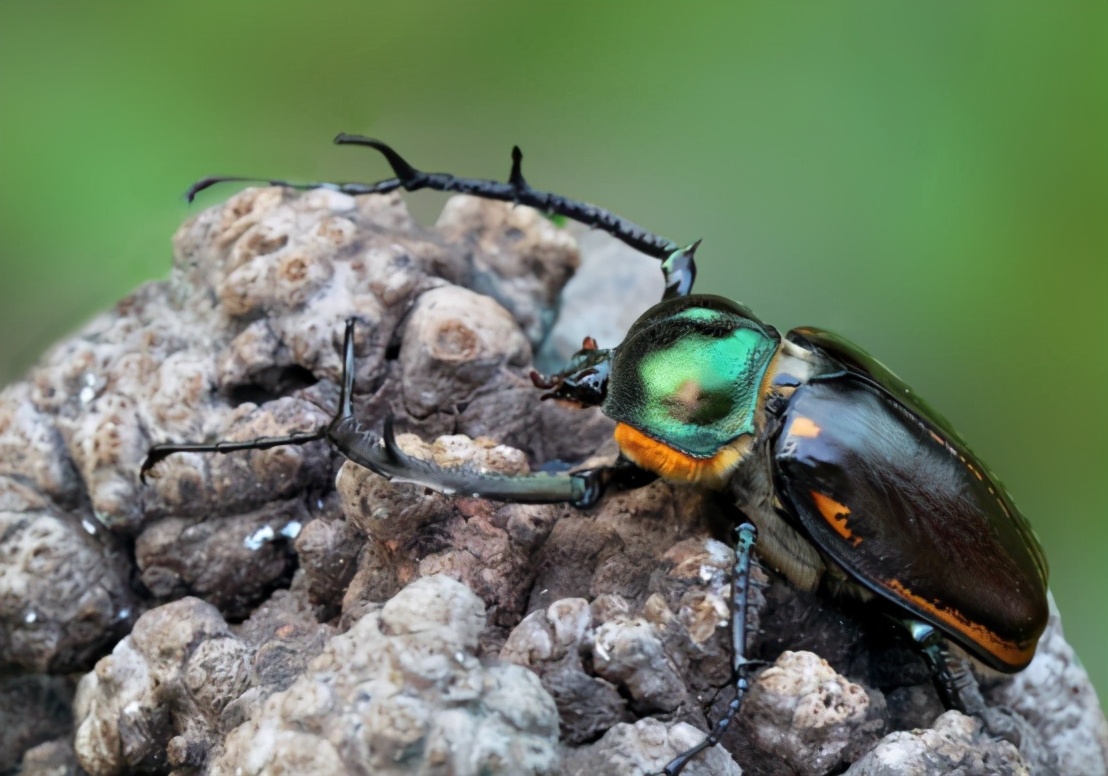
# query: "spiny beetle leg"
740,666
517,190
353,189
158,453
958,689
955,684
383,455
679,269
678,266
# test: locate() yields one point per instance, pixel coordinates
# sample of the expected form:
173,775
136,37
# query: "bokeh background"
930,180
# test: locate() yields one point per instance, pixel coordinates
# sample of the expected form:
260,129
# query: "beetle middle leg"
740,666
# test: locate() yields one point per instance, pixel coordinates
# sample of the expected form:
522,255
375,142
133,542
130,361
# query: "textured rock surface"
403,692
33,709
645,748
808,716
302,615
954,744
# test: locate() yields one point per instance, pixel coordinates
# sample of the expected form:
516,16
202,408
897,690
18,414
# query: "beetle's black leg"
677,267
677,263
384,456
958,688
160,452
955,684
518,190
345,413
354,189
740,666
680,272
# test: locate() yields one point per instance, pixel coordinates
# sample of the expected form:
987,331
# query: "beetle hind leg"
958,690
953,680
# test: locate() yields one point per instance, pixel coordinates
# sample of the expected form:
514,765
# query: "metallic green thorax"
690,372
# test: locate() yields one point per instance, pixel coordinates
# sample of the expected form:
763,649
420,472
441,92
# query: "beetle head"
584,381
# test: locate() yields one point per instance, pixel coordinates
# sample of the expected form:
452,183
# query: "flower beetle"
839,472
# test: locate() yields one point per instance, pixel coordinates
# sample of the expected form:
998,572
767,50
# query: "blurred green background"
930,180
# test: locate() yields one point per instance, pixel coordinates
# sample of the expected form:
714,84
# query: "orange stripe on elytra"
835,514
673,464
1007,652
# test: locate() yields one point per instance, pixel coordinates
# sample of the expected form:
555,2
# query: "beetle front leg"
740,666
679,270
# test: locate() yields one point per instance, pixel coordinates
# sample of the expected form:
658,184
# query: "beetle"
840,474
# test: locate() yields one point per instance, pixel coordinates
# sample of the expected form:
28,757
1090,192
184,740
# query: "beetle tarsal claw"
546,382
392,448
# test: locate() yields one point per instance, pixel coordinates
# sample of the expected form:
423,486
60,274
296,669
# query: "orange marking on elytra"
836,515
804,427
1005,651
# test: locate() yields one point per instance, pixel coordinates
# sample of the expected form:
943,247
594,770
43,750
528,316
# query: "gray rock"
955,744
33,709
64,595
373,660
403,692
804,713
53,758
644,748
1054,695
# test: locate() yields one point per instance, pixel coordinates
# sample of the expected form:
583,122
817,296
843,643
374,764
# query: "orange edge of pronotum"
1003,650
672,464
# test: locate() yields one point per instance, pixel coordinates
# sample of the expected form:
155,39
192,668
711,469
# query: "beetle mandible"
837,469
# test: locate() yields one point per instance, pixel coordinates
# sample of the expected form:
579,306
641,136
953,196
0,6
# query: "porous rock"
34,708
63,590
1054,695
617,616
180,658
804,713
403,692
172,689
52,758
644,748
521,258
954,744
